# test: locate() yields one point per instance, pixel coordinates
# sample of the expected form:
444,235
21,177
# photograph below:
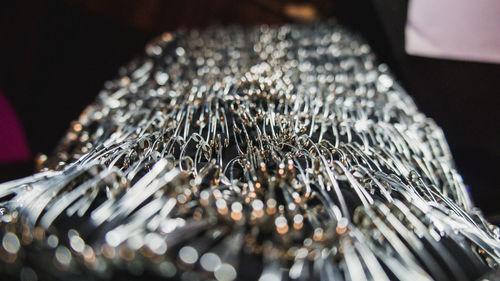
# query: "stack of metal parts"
268,153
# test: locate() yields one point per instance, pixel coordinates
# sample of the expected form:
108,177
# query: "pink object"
13,144
454,29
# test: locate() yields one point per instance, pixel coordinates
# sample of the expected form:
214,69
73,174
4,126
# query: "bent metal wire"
268,153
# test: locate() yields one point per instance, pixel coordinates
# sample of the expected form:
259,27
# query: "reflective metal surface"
269,153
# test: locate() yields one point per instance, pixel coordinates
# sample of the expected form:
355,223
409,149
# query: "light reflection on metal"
283,152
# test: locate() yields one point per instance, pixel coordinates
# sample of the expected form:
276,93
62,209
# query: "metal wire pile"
266,153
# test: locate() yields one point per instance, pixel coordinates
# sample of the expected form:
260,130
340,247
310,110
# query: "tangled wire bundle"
269,153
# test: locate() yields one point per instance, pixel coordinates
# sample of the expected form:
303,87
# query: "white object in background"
454,29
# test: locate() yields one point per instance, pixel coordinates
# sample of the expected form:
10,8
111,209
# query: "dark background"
56,54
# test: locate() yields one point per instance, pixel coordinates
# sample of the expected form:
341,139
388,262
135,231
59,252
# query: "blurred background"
55,56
